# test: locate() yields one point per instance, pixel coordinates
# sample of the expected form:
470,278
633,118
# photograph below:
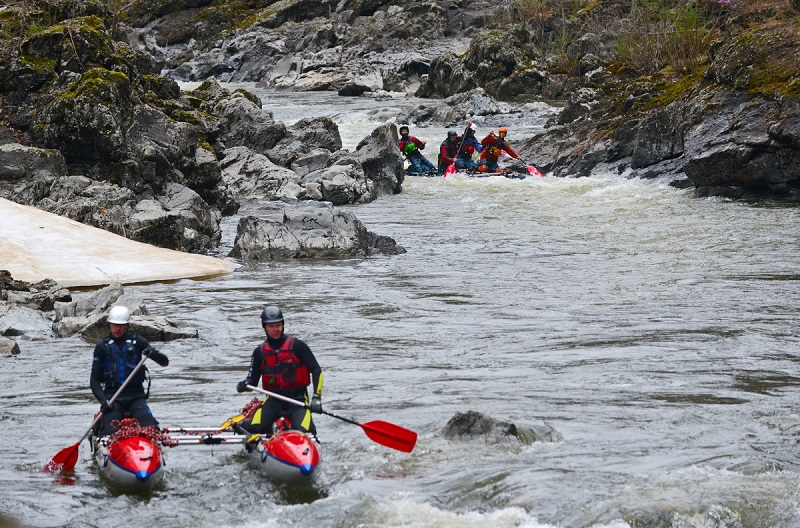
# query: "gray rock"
16,321
254,178
473,425
96,303
19,162
152,328
8,347
87,316
381,161
309,230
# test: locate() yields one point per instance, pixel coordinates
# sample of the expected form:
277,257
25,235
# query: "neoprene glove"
105,408
316,404
241,386
155,355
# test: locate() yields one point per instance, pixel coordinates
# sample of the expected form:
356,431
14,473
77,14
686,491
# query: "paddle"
530,168
66,459
384,433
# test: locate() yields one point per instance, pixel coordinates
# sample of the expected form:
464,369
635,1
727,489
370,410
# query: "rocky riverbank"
91,132
705,91
94,126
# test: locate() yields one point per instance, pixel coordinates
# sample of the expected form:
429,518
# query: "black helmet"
452,133
271,314
403,128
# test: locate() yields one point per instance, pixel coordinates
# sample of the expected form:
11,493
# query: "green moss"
205,145
254,19
34,29
38,64
774,81
96,84
768,62
249,96
186,117
195,102
674,91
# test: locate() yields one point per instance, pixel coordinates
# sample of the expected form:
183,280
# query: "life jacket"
493,151
281,369
410,147
119,363
448,150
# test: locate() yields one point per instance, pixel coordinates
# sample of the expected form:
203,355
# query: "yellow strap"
318,388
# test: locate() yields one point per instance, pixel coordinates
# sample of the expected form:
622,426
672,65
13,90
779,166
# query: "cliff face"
89,131
730,128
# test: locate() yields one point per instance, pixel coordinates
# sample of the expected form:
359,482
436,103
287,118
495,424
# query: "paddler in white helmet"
115,359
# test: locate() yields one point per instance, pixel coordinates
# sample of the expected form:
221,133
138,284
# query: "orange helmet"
502,130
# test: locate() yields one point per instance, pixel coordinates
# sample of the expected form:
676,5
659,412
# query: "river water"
655,332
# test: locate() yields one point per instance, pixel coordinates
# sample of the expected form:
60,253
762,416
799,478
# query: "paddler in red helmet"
493,147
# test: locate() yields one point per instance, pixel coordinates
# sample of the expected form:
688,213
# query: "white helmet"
119,315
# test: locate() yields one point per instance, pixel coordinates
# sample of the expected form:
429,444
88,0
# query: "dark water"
656,332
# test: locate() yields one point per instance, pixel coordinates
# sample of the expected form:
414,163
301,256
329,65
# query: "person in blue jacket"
115,357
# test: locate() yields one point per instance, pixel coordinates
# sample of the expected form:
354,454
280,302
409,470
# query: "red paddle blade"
450,170
390,435
64,460
533,170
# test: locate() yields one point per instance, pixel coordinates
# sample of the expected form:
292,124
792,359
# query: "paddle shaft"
278,396
299,403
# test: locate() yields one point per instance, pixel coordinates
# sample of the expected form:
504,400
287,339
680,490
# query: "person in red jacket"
493,147
286,366
411,146
448,150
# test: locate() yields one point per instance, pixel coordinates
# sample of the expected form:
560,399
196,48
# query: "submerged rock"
8,347
473,425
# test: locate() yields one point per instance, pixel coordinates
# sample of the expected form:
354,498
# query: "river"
656,332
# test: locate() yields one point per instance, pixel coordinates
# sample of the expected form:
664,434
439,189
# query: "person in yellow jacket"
493,147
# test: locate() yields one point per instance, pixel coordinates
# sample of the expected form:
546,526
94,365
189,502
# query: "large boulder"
19,162
381,160
253,177
309,230
735,153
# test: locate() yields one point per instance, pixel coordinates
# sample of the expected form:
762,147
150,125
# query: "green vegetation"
656,36
38,64
34,29
100,85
